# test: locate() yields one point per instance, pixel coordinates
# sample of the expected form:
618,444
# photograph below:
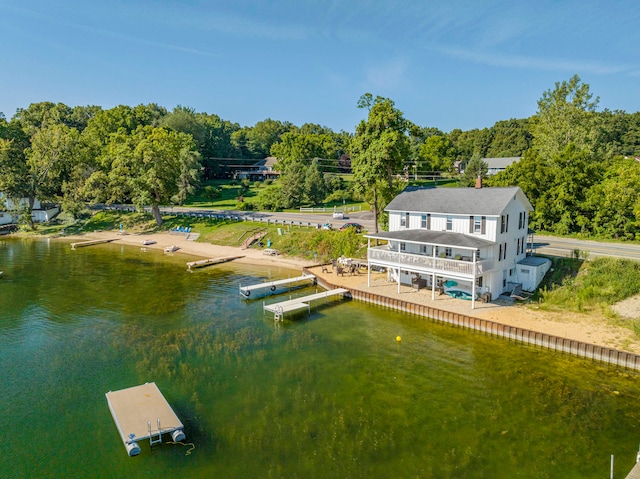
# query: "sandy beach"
592,328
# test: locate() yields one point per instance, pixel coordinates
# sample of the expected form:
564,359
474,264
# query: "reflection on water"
327,395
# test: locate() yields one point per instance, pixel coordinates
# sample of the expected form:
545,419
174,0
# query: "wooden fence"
512,333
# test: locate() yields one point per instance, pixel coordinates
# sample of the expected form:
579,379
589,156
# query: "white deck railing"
428,263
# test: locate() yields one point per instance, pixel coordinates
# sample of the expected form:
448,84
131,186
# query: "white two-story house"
471,240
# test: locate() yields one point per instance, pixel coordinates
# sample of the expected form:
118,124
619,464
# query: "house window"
437,250
524,243
500,253
423,222
423,249
403,246
479,281
477,224
403,219
506,226
504,278
518,247
447,252
511,272
504,251
449,223
406,220
503,223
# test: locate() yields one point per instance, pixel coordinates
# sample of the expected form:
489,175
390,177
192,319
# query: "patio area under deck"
393,257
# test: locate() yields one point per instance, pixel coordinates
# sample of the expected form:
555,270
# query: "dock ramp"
246,291
297,304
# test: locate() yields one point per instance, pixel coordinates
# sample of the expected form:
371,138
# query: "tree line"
578,166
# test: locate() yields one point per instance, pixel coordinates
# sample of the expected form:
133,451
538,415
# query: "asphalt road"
552,246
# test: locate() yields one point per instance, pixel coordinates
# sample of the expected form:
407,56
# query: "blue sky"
446,64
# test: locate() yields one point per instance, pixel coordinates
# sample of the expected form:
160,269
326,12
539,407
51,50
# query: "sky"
446,64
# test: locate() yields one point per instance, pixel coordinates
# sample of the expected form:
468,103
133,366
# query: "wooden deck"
92,242
210,262
297,304
141,412
245,291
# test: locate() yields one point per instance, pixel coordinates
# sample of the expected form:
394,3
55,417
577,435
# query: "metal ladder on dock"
158,435
278,314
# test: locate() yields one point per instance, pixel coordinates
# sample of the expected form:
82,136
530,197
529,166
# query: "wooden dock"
245,291
142,412
297,304
209,262
92,242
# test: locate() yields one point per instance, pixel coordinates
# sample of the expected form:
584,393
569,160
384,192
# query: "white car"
338,215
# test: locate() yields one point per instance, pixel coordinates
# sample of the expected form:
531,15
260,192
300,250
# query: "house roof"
446,238
457,201
500,163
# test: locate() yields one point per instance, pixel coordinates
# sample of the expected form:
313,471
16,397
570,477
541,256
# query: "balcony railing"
429,263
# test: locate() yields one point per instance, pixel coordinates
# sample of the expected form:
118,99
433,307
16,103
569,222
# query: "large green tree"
566,114
378,150
150,167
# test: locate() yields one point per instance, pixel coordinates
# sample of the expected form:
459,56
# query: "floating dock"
142,412
279,309
245,291
635,472
92,242
209,262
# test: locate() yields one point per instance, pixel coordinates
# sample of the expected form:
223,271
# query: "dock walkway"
245,291
92,242
142,412
210,262
297,304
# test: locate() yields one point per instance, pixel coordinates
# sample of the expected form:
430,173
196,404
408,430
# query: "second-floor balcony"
429,264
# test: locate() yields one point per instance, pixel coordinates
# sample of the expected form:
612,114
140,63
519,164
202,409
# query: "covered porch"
435,256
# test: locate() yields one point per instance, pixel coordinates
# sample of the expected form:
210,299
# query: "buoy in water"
398,338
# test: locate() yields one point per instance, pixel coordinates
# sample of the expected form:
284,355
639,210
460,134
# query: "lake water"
327,395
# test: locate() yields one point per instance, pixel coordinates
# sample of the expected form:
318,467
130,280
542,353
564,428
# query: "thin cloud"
533,63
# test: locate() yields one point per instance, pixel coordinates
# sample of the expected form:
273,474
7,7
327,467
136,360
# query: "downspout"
368,263
473,284
398,267
433,275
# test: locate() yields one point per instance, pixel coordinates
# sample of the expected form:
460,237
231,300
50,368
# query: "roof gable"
457,201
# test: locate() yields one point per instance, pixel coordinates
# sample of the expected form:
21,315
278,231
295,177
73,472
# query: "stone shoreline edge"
573,347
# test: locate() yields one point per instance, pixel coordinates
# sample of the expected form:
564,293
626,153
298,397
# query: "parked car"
357,227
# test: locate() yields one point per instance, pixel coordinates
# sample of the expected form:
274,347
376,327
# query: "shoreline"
592,328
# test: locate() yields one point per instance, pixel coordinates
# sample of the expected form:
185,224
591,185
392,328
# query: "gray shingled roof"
501,163
445,238
456,201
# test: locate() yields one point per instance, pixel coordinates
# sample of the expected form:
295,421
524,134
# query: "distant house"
496,165
259,171
41,212
473,239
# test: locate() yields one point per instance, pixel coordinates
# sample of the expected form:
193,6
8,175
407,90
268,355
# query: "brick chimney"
479,182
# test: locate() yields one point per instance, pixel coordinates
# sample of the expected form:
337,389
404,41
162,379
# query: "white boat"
148,242
171,249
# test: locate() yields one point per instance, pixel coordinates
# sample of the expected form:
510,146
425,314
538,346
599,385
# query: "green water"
327,395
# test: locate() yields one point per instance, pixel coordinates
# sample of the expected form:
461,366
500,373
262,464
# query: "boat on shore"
171,249
148,242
